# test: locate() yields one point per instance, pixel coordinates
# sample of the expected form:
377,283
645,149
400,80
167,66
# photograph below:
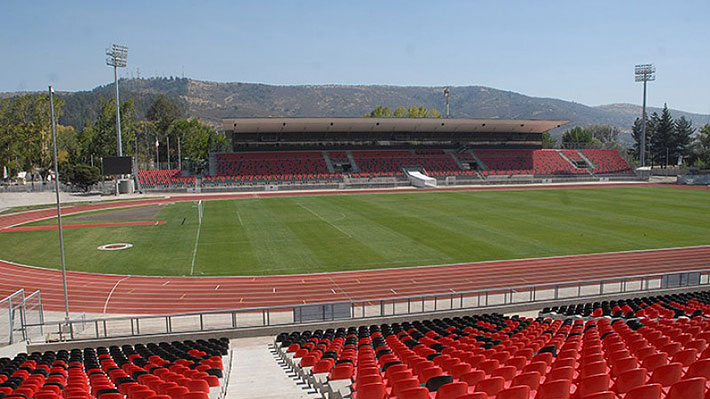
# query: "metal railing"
290,315
21,317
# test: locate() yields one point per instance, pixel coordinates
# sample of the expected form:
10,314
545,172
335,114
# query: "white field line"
240,218
323,219
194,252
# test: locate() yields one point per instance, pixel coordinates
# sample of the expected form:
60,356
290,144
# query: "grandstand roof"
282,125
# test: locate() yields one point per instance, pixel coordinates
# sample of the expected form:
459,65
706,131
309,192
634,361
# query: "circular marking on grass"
115,247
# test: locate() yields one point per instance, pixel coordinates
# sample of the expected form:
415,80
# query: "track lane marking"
108,298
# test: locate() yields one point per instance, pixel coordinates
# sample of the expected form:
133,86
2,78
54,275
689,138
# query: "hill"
211,101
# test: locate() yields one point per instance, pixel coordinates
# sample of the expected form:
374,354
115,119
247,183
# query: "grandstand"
352,151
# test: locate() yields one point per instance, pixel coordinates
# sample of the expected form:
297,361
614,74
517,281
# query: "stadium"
368,258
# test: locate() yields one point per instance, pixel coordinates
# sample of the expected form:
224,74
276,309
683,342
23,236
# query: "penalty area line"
323,219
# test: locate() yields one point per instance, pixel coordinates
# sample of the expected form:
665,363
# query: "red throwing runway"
86,226
98,293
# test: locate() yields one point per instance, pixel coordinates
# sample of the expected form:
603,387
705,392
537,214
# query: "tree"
197,140
577,135
380,112
662,137
402,112
702,145
80,175
548,141
163,113
100,136
604,133
433,114
68,147
25,132
682,140
636,133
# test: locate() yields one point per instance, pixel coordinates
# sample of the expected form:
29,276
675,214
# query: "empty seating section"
391,162
507,162
164,178
338,157
550,162
269,167
660,353
607,161
177,370
666,306
573,155
264,163
310,166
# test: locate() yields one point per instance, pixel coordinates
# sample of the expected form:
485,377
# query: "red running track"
140,294
86,226
98,293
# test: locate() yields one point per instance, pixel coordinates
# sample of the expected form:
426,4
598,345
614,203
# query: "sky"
572,50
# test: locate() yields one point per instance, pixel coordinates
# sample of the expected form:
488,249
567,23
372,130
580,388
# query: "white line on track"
323,219
108,298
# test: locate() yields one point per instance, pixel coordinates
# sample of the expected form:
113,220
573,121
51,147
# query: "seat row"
493,356
177,370
164,177
670,306
310,166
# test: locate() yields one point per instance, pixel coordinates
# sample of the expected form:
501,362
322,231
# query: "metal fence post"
11,321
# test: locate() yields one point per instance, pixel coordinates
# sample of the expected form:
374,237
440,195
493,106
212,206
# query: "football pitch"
312,234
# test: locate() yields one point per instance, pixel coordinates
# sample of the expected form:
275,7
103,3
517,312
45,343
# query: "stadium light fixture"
447,91
59,209
644,73
117,57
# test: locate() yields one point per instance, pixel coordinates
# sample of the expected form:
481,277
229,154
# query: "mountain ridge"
212,101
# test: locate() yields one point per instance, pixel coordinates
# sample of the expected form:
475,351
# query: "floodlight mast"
447,91
117,56
644,73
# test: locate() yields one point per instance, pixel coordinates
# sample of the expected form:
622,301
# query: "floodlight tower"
116,57
447,91
644,73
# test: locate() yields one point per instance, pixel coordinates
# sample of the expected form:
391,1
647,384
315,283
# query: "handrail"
16,304
20,292
507,292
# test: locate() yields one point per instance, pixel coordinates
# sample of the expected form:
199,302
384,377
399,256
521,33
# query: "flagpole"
59,209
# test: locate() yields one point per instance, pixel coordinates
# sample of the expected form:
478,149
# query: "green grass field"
350,232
